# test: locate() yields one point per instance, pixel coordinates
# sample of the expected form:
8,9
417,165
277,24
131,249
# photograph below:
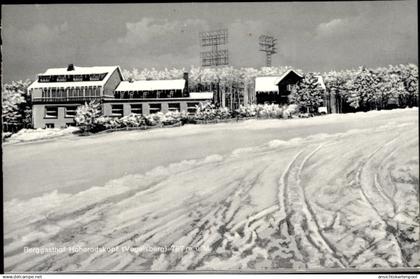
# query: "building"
276,90
58,92
152,96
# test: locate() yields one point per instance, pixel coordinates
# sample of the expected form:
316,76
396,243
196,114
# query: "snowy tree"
16,105
363,91
410,78
308,94
87,115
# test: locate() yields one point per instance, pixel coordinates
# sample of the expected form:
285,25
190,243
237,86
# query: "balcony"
65,99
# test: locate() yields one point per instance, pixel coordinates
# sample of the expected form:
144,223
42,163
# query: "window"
94,77
44,78
49,125
137,108
61,93
290,87
137,95
70,92
71,111
117,110
61,78
177,93
96,91
152,94
191,107
77,78
154,108
51,112
174,107
165,94
89,91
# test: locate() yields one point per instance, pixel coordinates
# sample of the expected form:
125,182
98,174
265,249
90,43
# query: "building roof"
285,74
201,95
77,71
150,85
80,70
266,84
269,84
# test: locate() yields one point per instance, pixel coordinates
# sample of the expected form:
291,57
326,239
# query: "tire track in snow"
296,204
213,228
369,195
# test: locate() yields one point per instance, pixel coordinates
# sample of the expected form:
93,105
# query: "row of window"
51,125
90,91
69,78
148,94
118,110
52,112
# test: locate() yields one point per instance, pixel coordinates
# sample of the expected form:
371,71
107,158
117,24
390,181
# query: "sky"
312,36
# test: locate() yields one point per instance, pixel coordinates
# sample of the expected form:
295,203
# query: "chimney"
70,67
186,89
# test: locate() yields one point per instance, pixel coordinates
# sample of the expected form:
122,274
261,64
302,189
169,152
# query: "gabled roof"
285,74
77,71
150,85
270,84
81,70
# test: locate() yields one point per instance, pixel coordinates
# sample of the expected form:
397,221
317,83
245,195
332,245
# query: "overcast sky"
313,36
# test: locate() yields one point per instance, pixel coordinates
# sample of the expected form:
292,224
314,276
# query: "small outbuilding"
276,89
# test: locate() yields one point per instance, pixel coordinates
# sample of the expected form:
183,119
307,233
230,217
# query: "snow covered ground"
339,191
29,135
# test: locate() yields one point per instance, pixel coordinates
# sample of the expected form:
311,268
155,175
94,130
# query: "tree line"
359,89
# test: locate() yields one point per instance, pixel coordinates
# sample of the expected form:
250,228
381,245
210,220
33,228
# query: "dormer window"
95,77
77,78
43,78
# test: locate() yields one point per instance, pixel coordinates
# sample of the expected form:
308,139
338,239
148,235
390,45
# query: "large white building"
58,92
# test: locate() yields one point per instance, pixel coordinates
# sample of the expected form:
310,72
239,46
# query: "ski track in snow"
345,200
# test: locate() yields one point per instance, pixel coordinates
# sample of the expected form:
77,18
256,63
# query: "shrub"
171,118
132,120
208,111
86,116
267,111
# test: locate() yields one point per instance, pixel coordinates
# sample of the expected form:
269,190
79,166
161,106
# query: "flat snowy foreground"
339,191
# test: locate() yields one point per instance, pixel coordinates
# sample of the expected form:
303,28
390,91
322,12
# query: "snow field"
344,200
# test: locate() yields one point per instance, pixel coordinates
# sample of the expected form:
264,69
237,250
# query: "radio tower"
268,45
